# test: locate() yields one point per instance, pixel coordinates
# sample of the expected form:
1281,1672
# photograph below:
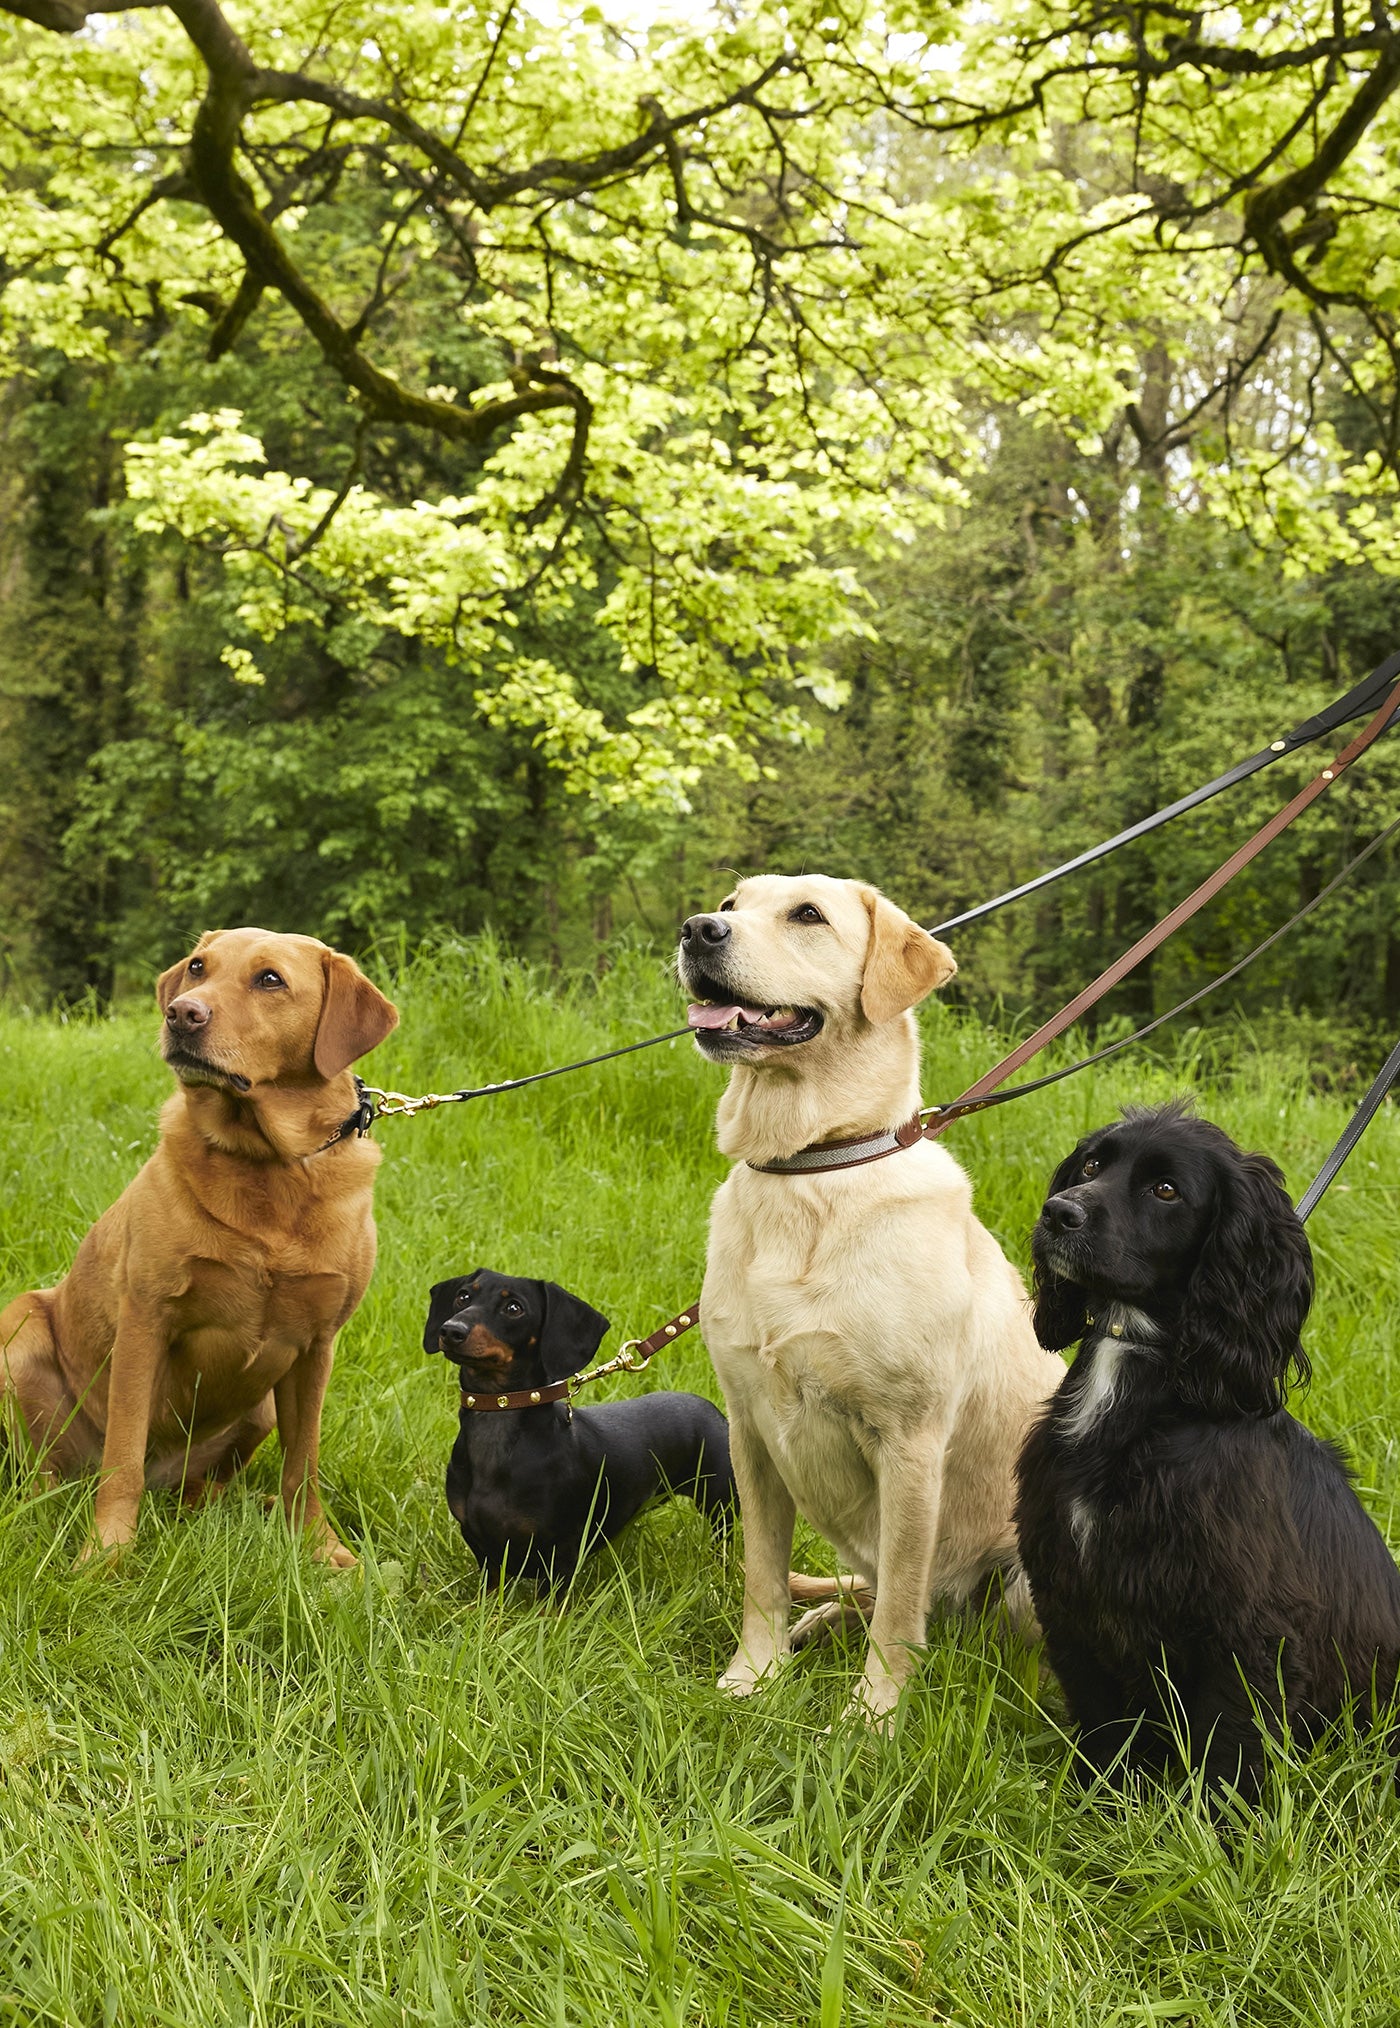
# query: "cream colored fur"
873,1343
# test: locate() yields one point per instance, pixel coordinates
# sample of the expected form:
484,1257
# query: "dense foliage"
469,464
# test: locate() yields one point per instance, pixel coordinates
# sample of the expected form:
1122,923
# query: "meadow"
236,1788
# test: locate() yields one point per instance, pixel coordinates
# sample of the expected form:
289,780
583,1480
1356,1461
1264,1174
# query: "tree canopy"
450,407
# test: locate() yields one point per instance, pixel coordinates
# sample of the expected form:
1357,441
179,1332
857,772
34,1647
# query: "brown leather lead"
1157,936
810,1161
631,1359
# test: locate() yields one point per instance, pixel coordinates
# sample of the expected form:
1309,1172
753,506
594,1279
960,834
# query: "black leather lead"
1363,697
1355,1128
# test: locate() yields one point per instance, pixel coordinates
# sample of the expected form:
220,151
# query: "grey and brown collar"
822,1156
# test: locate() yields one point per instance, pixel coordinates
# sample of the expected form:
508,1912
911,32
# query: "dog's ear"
440,1299
169,979
1061,1314
903,963
355,1016
1061,1306
1248,1297
571,1334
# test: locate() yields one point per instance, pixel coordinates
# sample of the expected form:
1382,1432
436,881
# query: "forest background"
498,466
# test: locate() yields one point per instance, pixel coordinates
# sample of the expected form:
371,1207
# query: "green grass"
235,1788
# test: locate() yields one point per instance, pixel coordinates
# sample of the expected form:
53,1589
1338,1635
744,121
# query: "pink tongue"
716,1017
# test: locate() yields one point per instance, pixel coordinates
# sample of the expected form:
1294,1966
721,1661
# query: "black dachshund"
536,1484
1199,1561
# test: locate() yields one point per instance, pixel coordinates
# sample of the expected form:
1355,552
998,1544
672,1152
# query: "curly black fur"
1200,1564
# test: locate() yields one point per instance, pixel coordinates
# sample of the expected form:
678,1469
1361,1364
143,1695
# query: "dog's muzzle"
729,1022
193,1068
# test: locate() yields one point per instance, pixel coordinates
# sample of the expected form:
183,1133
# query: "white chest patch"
1120,1332
1101,1390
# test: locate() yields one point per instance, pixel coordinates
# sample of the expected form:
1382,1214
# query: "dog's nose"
703,929
1064,1214
188,1013
456,1328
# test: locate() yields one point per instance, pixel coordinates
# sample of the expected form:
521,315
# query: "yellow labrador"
873,1343
202,1308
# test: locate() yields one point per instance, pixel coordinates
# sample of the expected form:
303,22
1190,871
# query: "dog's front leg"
769,1515
138,1353
911,1485
299,1395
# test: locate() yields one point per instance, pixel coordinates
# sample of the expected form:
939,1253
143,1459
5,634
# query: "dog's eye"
513,1309
195,968
462,1297
808,912
725,906
1092,1166
1168,1192
269,980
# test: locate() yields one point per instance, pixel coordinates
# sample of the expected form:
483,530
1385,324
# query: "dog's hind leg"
42,1418
848,1602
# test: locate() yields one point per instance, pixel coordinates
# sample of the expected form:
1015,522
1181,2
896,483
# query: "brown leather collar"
482,1402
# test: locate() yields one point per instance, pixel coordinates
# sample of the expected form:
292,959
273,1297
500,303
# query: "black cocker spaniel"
1200,1563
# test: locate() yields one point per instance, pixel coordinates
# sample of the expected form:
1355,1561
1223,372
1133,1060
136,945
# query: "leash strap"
976,1095
359,1122
1016,1091
633,1357
386,1105
832,1155
1355,1128
1362,697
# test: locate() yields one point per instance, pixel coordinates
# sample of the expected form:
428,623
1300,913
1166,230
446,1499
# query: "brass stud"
1327,774
1277,745
503,1401
670,1330
471,1401
685,1320
534,1394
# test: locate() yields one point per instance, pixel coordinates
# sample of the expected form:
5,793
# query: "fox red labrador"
203,1307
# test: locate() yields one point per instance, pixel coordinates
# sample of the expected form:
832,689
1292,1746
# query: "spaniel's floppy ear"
355,1016
1248,1296
571,1335
1061,1306
440,1300
168,983
903,963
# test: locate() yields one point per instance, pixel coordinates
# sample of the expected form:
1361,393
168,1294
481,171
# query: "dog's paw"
744,1675
874,1704
331,1551
824,1622
818,1625
98,1555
